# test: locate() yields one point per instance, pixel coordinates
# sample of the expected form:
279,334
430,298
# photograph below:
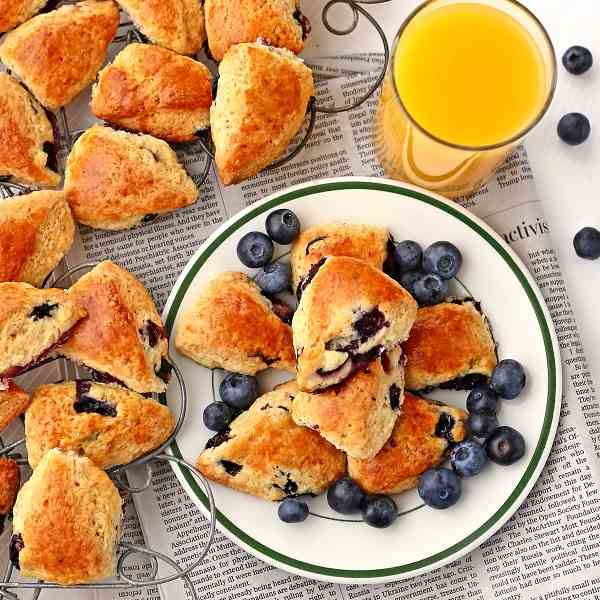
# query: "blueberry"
482,425
439,488
238,391
345,497
379,511
408,280
468,458
255,249
574,129
408,256
508,378
217,416
577,60
430,289
505,446
587,243
274,278
283,226
482,400
292,511
443,259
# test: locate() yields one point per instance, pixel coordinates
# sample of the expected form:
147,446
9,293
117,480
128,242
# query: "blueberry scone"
15,12
10,479
13,403
123,340
58,54
450,346
36,231
67,522
156,91
33,323
117,180
425,431
261,103
265,454
349,313
358,415
234,327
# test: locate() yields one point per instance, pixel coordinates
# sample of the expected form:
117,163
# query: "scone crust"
13,402
15,12
10,479
232,326
156,91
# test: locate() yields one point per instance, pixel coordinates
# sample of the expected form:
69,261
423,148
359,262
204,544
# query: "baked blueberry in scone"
261,103
424,433
123,339
13,402
58,54
15,12
10,478
234,327
264,453
450,346
67,522
117,180
33,323
349,313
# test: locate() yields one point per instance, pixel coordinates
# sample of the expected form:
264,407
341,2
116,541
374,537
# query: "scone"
174,24
369,244
10,479
33,323
230,22
67,522
234,327
424,433
260,105
349,313
264,453
13,403
58,54
450,346
117,180
15,12
36,231
153,90
358,415
123,339
108,424
27,151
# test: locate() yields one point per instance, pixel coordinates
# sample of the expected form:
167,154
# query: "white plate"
424,539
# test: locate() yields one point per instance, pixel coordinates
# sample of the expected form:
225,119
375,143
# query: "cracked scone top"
13,403
10,479
15,12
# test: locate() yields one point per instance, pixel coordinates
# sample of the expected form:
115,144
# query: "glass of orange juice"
467,81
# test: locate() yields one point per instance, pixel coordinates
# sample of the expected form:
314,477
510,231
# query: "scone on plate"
15,12
156,91
33,323
450,346
123,340
117,180
358,415
348,314
13,403
264,453
424,433
28,156
234,327
36,231
67,522
58,54
260,105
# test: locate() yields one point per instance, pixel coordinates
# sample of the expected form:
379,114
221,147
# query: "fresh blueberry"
430,289
408,280
577,60
283,226
345,497
217,416
587,243
482,425
482,400
238,391
508,378
379,511
468,458
255,249
408,256
505,446
443,259
274,278
292,511
574,129
439,488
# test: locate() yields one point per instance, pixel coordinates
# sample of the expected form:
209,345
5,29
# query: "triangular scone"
13,402
260,105
15,12
10,478
32,324
358,415
264,453
232,326
424,432
349,313
58,54
122,340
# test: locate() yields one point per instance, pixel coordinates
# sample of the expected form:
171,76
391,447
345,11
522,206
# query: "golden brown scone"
358,415
26,136
123,339
15,12
174,24
153,90
59,53
32,324
36,231
67,522
420,440
117,180
450,346
264,453
10,479
13,402
349,313
261,103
